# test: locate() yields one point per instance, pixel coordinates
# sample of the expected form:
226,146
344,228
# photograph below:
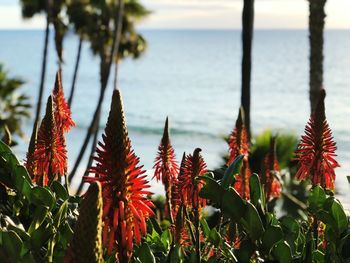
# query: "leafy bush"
14,107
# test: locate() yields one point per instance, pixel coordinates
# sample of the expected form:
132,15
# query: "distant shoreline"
193,29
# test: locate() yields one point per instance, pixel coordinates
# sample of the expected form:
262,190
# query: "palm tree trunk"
75,74
104,72
59,30
43,66
58,43
316,27
247,37
116,70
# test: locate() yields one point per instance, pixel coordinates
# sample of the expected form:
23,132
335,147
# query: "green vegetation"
14,107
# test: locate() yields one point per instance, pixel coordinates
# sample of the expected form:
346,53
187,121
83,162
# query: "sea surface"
193,77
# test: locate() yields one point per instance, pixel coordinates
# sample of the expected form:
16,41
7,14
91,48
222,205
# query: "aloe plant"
86,244
36,222
114,221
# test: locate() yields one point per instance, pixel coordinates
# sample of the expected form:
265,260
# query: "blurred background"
181,59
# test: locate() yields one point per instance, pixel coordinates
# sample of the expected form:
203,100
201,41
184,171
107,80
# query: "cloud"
208,14
11,18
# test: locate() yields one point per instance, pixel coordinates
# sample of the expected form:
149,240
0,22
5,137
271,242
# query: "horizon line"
189,29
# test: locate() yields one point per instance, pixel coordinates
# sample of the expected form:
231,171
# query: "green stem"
66,182
315,230
196,218
198,244
189,226
167,189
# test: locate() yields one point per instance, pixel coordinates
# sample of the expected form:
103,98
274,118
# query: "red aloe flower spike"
271,184
180,234
194,166
166,167
50,154
176,194
239,145
316,150
62,111
238,140
242,180
125,203
190,186
179,231
30,162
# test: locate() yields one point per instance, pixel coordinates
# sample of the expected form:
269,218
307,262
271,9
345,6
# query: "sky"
207,14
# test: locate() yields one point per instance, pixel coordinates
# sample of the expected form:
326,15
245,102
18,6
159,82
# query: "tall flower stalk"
47,154
166,168
272,186
178,209
63,115
316,150
30,162
86,243
50,155
239,145
189,186
124,187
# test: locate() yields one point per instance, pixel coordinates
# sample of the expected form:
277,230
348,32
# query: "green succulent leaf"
12,244
22,180
41,235
339,216
145,254
38,218
290,227
177,255
211,190
245,251
59,190
61,214
345,251
215,237
281,252
256,196
272,235
41,196
291,230
231,171
316,199
252,222
166,239
318,256
232,204
156,226
205,227
228,199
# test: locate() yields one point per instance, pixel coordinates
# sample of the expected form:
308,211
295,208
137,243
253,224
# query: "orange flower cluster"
239,145
316,150
125,203
62,113
166,168
178,209
47,154
272,185
189,185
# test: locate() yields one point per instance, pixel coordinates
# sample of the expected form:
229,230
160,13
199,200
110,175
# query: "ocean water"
194,78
